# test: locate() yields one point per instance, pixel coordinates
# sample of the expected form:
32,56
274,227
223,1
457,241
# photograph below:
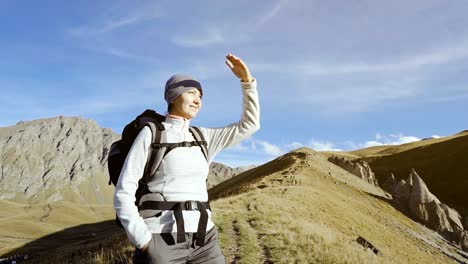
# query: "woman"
181,176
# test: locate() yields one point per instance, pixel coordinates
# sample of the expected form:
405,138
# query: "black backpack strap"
198,135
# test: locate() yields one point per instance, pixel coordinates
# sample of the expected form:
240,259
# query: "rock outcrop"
359,168
401,195
464,241
389,184
62,158
414,199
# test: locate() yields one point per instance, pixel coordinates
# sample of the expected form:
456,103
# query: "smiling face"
187,104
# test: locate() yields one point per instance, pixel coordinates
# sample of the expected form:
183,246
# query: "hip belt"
178,207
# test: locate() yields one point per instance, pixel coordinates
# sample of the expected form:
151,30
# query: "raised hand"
239,68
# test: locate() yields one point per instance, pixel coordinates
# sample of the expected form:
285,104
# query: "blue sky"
331,74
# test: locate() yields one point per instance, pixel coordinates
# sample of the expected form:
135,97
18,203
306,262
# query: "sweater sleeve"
220,138
124,196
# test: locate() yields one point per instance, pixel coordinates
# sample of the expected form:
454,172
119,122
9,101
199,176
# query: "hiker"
173,223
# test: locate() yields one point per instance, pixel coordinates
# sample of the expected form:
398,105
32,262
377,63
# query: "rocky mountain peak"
41,156
220,172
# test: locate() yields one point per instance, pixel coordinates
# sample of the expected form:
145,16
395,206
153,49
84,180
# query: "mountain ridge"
302,208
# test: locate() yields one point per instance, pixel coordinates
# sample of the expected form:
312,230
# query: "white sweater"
182,173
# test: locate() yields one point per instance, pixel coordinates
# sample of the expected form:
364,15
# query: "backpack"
120,148
159,149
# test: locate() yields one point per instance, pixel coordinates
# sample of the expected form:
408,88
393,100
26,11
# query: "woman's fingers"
235,62
238,67
229,64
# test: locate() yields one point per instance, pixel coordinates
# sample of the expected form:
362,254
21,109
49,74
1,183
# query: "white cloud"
443,55
380,140
323,146
114,27
241,147
270,14
252,149
294,145
270,149
402,139
371,143
231,32
253,145
118,18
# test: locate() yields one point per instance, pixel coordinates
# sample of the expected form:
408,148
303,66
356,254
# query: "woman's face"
187,104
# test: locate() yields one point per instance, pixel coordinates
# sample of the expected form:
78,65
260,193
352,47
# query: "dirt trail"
236,234
266,254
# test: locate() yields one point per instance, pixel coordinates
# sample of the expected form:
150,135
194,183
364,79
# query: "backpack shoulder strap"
158,135
154,159
200,139
160,148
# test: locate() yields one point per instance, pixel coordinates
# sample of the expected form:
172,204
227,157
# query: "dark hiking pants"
163,249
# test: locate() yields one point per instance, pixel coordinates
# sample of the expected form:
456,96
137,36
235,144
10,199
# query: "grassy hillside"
22,226
442,163
301,208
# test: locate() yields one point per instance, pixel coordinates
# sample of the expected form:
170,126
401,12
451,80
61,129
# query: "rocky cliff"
414,199
62,158
359,168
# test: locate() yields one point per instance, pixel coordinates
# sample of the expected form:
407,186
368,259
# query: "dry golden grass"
28,223
312,212
121,253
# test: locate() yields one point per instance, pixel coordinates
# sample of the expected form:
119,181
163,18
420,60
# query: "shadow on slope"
69,243
443,166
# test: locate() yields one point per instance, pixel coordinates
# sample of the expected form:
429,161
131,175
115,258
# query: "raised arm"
249,123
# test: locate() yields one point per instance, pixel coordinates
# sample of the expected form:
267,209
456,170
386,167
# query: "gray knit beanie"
179,84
